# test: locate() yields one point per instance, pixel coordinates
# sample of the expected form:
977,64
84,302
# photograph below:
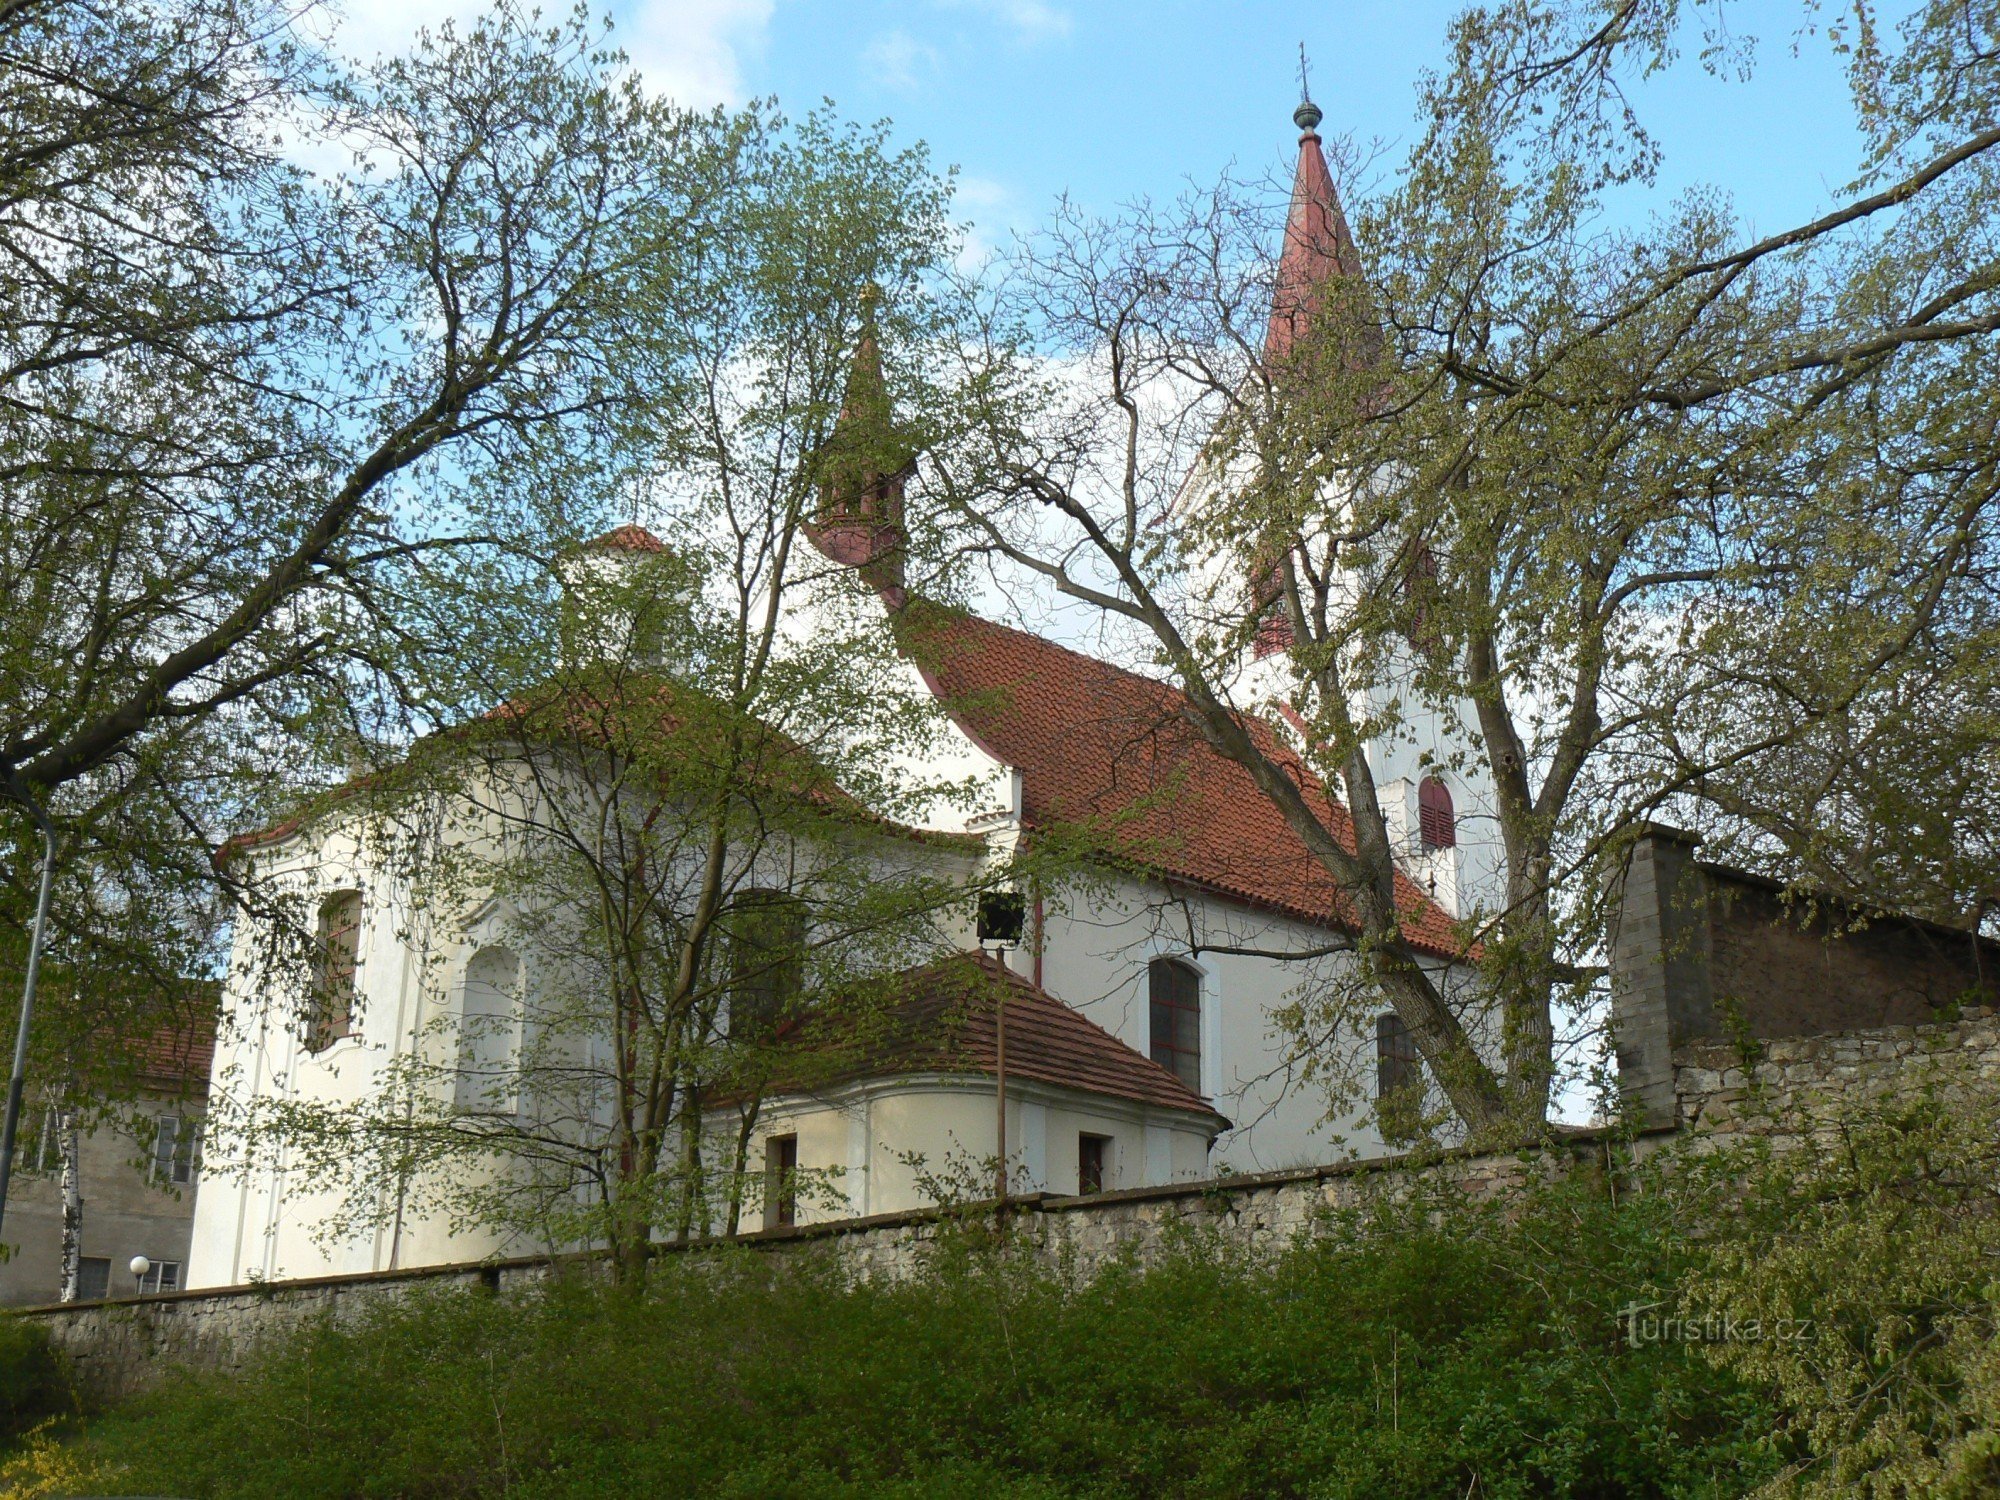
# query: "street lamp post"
35,938
1002,917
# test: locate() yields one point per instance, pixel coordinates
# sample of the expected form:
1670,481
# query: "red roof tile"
626,539
1116,755
941,1018
176,1055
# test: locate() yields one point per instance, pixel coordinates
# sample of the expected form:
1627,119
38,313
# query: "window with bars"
1398,1065
1437,823
767,941
93,1278
1174,989
338,954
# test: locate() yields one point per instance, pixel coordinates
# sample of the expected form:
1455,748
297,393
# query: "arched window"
1174,989
1437,825
766,932
336,956
489,1037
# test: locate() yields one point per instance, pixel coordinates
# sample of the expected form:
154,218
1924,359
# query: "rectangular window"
1175,992
164,1277
781,1184
1397,1062
1093,1154
337,962
176,1149
93,1280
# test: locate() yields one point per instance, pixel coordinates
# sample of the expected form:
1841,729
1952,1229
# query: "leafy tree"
1669,520
685,789
245,402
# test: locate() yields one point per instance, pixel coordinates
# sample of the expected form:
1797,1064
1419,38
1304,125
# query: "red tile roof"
176,1055
1116,756
626,539
941,1018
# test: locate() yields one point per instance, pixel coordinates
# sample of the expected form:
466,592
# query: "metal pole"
19,1075
1000,1096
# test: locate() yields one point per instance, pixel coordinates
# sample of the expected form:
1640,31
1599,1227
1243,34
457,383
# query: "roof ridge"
1042,640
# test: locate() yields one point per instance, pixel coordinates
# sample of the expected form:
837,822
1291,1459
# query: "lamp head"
1002,917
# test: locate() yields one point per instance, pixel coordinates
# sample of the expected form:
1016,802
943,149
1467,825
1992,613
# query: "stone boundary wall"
120,1346
117,1347
1795,1080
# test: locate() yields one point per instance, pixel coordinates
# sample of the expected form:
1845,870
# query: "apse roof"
943,1018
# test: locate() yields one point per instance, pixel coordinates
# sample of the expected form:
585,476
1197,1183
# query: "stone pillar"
1658,944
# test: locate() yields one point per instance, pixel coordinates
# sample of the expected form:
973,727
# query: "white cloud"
897,60
691,50
1031,21
983,192
366,29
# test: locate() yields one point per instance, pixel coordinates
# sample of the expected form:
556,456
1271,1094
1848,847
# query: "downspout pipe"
18,1078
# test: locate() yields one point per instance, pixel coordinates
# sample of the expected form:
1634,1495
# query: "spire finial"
1307,115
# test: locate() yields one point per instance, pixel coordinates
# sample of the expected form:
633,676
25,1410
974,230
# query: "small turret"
860,519
614,599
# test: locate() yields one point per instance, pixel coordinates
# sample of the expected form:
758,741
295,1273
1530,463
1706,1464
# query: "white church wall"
1099,941
833,603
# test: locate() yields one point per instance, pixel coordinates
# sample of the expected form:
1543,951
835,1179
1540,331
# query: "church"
1135,1017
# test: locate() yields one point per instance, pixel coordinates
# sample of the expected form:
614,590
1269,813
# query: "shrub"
1873,1244
33,1383
1429,1349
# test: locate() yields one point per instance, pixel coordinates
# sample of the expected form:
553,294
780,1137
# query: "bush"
1873,1243
1426,1350
33,1384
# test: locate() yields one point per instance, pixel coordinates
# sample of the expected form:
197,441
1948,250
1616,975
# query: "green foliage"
1435,1346
1880,1239
1419,1351
33,1383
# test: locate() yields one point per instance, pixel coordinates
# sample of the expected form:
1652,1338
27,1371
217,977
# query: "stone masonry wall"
1792,1081
118,1347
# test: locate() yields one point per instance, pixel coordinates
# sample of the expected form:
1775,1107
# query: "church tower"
1429,774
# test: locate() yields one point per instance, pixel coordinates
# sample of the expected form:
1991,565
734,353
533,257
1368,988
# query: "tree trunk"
72,1204
739,1168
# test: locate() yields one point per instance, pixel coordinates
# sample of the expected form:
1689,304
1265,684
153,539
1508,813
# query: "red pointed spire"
1318,244
860,521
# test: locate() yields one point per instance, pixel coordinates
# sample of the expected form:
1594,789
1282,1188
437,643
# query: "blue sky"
1113,99
1110,100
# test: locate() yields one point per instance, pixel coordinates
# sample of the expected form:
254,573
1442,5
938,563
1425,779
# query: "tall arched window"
766,933
1437,824
489,1037
1174,989
336,956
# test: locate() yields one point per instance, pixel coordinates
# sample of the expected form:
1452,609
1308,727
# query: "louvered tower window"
1437,825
